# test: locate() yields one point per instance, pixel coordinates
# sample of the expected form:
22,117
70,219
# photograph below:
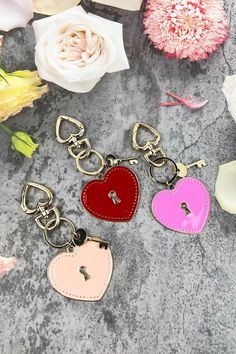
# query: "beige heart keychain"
83,271
83,274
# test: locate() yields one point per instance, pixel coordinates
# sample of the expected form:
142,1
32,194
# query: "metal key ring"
77,145
168,182
64,245
45,214
81,156
151,153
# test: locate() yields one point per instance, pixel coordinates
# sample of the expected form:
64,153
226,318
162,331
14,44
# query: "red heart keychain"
115,197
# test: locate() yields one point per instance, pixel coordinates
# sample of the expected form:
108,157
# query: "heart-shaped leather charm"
83,274
185,208
113,198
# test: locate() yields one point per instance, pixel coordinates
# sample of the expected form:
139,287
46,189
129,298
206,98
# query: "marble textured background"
170,293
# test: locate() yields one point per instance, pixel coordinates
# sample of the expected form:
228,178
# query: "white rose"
75,49
229,89
225,188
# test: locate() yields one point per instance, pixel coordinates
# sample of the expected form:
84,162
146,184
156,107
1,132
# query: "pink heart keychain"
185,206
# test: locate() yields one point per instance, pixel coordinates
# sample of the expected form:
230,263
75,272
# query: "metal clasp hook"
74,121
44,203
82,156
149,143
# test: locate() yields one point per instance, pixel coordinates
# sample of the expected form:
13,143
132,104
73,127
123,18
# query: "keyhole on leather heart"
114,197
184,206
84,272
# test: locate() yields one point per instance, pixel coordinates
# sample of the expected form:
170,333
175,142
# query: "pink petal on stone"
6,264
170,104
1,40
174,103
188,103
196,105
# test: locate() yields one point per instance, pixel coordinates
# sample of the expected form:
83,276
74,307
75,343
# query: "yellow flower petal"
18,90
132,5
52,7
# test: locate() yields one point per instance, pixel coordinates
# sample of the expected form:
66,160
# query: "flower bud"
23,143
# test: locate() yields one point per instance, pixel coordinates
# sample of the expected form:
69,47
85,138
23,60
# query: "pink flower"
190,29
1,40
6,264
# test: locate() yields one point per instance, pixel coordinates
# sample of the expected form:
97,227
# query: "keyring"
45,214
117,180
167,183
81,156
77,261
66,244
76,144
153,152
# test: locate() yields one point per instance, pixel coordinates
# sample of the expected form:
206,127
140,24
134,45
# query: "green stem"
2,72
6,129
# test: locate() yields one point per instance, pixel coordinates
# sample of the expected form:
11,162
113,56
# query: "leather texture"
167,206
123,182
65,276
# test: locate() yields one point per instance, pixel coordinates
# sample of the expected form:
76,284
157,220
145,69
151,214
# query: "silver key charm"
130,160
183,169
112,160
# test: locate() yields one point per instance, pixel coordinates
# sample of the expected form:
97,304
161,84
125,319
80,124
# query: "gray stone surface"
170,293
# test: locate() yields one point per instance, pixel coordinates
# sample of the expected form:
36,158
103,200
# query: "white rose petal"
229,89
52,7
133,5
225,188
15,13
75,49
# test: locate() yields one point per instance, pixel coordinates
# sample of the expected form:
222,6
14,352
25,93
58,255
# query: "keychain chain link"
47,216
75,142
151,150
154,155
42,212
